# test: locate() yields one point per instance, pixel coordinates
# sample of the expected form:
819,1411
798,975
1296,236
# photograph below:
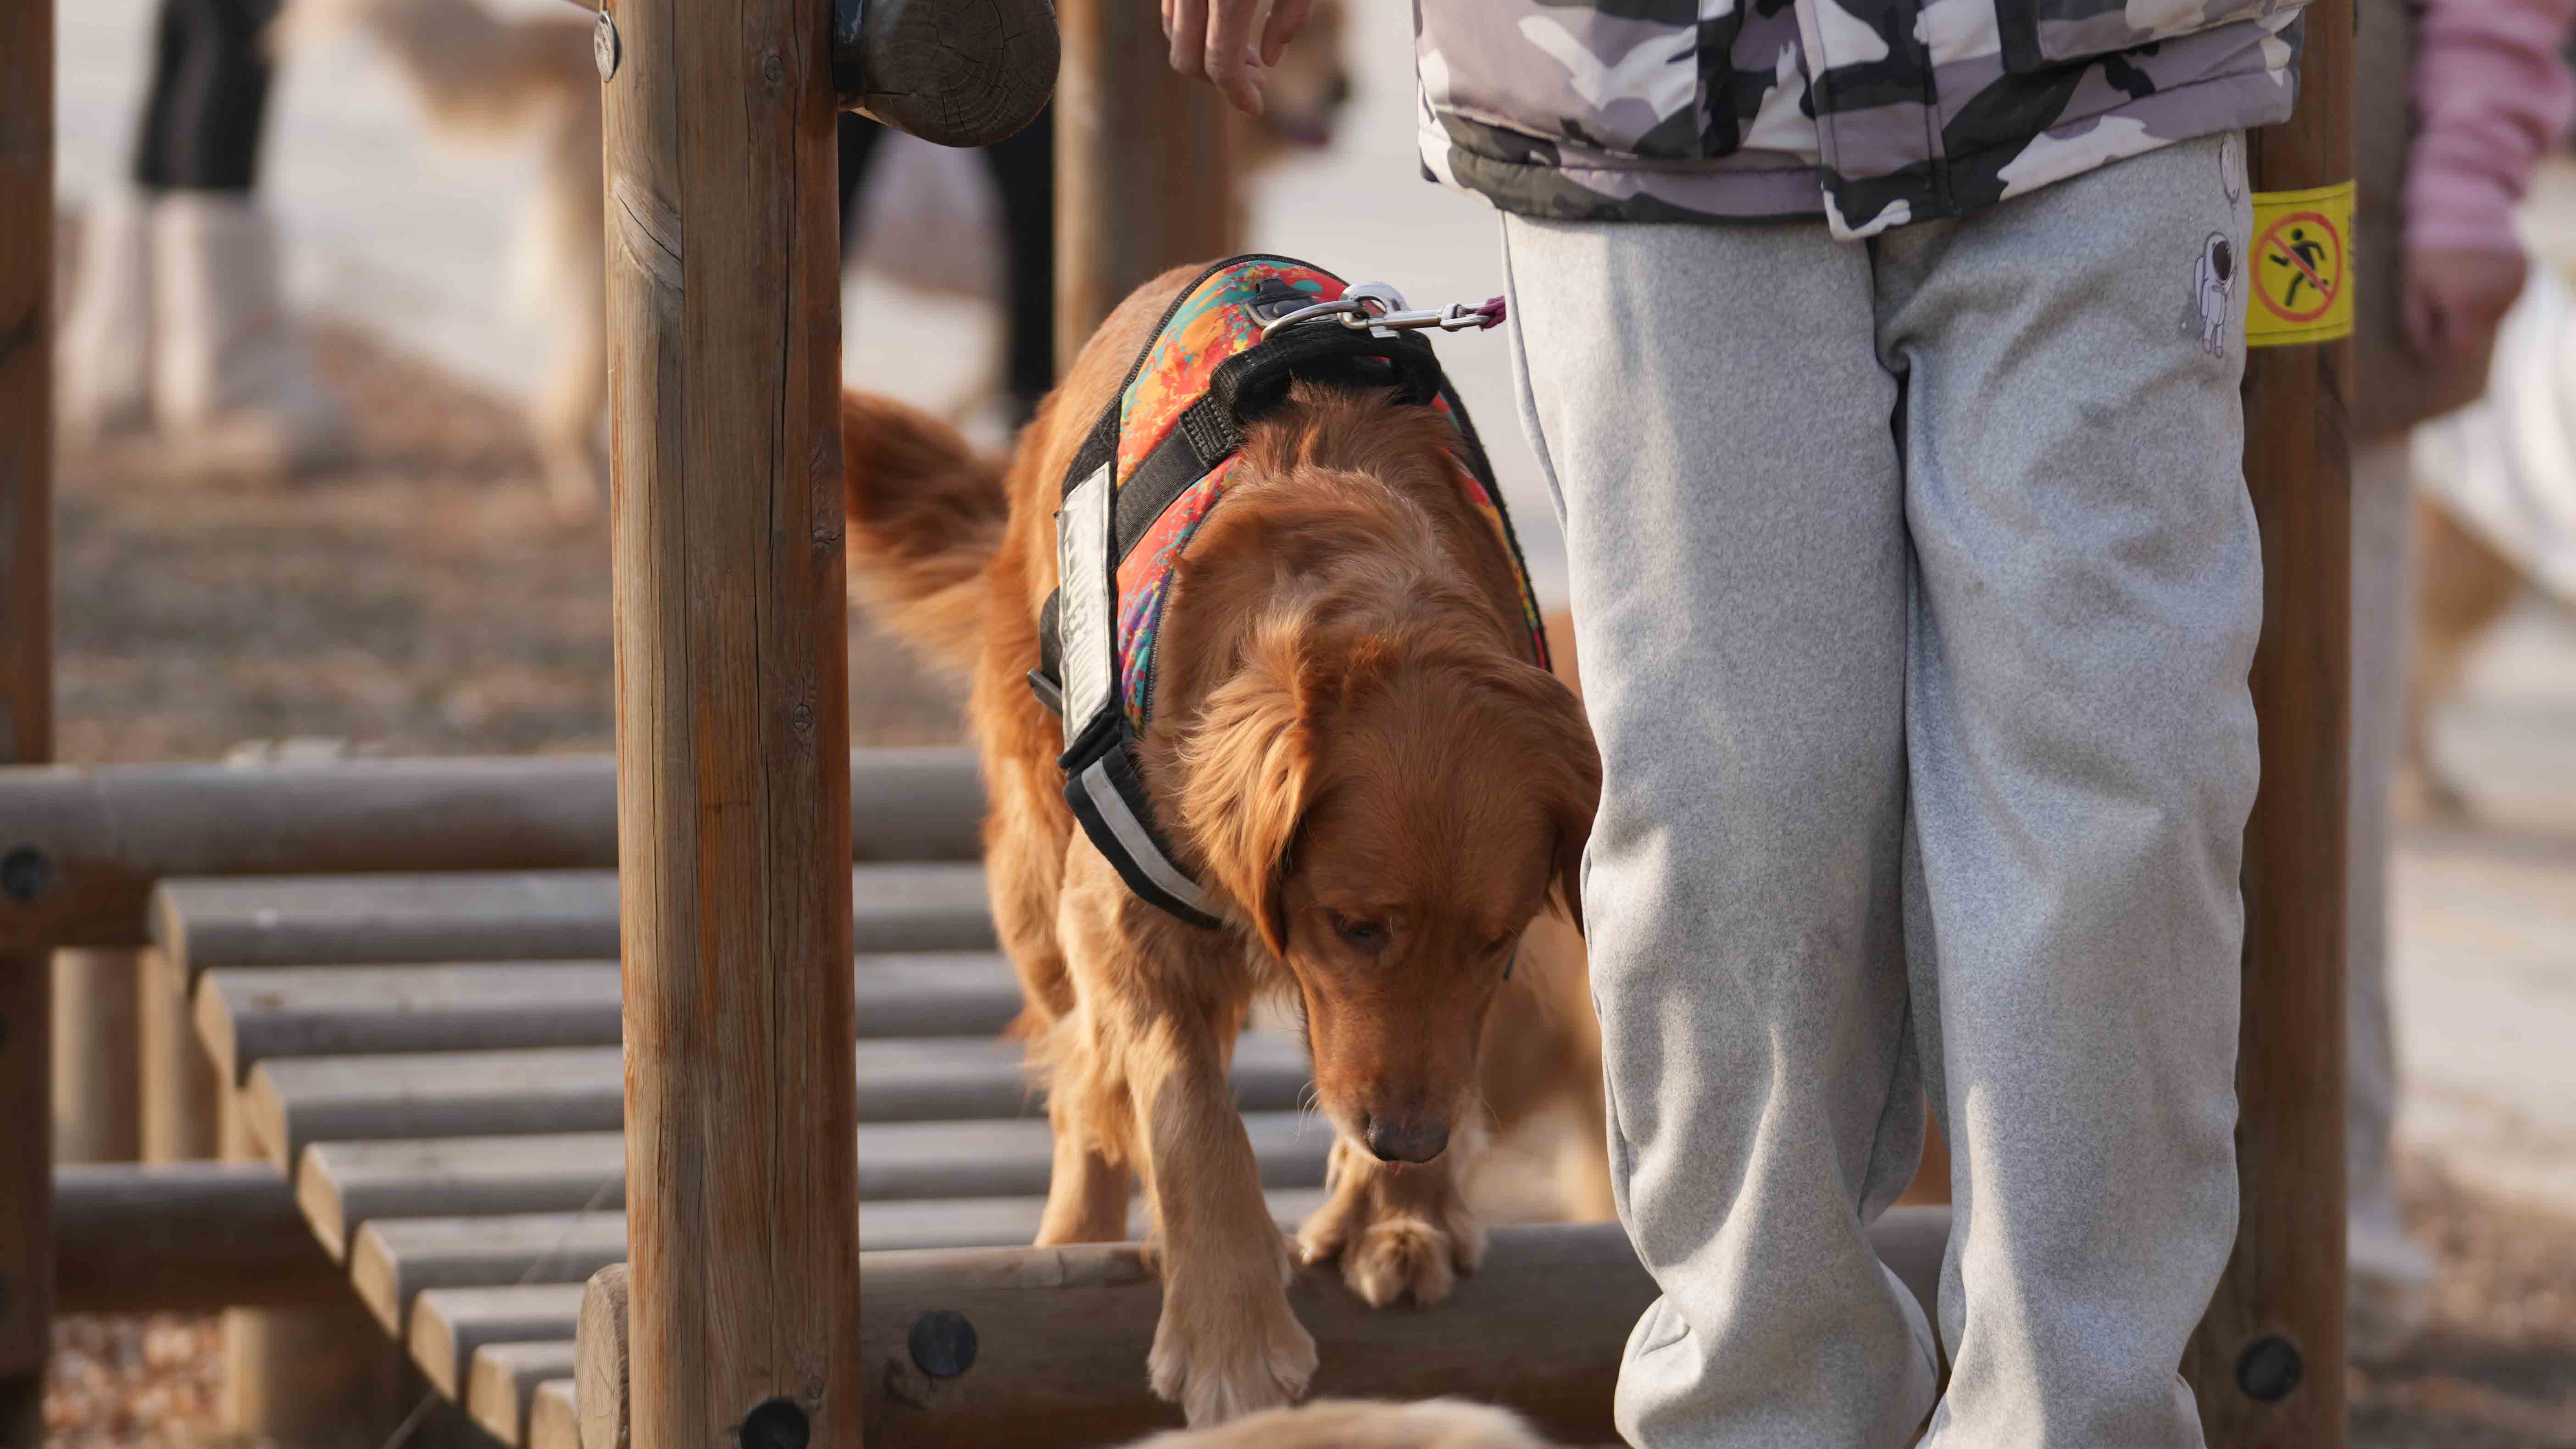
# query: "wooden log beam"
1045,1347
98,1069
957,74
26,693
2268,1361
1144,179
732,705
88,844
182,1238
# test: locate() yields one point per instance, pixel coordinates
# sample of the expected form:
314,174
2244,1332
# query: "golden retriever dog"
479,74
1354,758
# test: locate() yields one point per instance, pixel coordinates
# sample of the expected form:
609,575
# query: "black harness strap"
1104,517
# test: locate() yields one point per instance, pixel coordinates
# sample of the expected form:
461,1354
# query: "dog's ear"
1248,770
1566,774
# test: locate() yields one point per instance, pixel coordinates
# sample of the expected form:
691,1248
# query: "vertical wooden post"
1143,179
181,1089
98,1070
2268,1362
26,692
732,723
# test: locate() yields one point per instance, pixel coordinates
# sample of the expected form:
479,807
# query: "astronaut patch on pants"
2213,286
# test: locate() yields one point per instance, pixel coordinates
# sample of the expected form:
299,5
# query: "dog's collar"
1153,466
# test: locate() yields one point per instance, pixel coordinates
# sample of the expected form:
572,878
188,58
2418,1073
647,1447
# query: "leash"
1379,310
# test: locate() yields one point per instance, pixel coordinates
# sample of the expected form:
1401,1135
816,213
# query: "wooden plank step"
501,1384
343,1185
555,1420
293,1102
561,915
449,1324
394,1260
249,1014
504,1376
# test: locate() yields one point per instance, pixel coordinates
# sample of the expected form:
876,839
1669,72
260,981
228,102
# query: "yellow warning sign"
2302,267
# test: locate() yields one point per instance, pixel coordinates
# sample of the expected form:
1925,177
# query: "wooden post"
732,723
321,1374
180,1086
1143,180
26,693
98,1071
2268,1361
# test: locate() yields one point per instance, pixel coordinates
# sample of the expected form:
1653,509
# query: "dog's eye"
1499,945
1361,935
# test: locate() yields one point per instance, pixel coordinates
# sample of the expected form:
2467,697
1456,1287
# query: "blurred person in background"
178,318
2439,181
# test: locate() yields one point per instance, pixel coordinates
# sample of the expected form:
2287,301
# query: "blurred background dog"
930,218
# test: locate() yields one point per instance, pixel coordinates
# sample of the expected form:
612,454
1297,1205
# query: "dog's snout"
1406,1139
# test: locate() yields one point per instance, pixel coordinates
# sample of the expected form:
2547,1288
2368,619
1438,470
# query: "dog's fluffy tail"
926,514
475,71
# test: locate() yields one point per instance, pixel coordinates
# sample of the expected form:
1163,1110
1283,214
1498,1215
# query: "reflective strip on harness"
1084,584
1099,794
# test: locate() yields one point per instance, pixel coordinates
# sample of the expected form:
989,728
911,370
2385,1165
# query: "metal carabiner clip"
1379,310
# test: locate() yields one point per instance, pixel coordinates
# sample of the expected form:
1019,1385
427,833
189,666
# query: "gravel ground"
423,601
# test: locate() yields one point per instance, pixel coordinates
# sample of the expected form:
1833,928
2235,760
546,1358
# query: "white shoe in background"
103,372
2388,1286
232,384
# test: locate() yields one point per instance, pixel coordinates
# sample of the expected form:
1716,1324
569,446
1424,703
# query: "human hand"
1212,40
2455,300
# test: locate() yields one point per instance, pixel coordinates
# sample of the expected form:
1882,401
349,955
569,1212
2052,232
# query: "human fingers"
1185,25
1287,17
1230,60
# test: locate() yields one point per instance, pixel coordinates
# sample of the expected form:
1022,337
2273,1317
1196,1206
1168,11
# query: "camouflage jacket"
1873,113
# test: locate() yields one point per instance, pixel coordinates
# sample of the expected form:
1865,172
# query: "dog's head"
1390,810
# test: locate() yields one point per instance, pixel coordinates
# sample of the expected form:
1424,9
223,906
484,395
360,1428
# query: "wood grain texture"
2285,1279
602,1374
958,72
108,833
1144,178
26,692
98,1067
732,716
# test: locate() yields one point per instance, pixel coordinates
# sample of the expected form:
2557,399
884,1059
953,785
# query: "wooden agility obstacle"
503,1345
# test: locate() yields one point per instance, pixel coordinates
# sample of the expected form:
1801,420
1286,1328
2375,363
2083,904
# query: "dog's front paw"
1396,1238
1227,1347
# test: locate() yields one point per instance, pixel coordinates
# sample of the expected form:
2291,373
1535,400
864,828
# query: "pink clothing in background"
2491,94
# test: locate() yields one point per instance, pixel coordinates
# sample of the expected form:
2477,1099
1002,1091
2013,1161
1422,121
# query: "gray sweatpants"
1915,585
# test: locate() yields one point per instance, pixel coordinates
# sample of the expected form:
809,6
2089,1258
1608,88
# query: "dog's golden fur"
1353,755
1363,1424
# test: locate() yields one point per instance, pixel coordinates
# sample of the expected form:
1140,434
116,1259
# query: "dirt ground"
423,601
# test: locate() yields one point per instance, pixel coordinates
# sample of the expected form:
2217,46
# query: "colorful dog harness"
1157,462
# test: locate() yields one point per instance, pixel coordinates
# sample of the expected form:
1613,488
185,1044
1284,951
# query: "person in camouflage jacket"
1873,113
1884,359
